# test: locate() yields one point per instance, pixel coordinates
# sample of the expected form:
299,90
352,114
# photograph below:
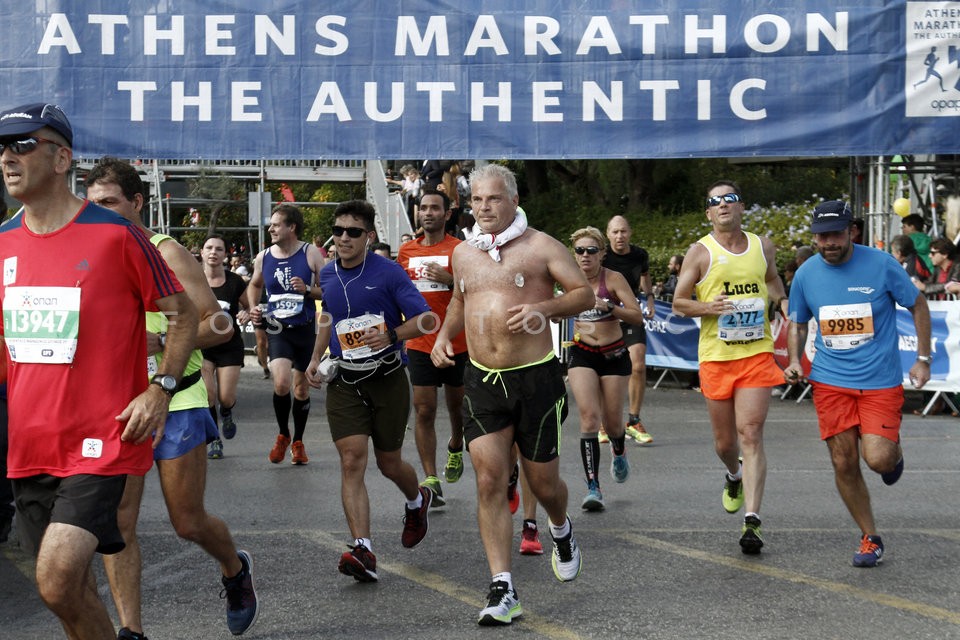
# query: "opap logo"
932,74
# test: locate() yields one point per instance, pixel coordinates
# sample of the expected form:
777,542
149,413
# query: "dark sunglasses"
25,146
353,232
588,250
727,197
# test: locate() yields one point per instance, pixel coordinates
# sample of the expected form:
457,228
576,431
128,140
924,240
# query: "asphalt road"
661,562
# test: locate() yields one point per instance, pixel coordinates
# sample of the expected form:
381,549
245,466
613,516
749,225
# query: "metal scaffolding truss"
391,217
931,184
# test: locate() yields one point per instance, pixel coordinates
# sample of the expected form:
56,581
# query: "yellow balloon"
901,207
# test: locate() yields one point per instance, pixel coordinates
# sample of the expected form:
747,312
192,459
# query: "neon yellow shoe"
433,484
454,467
732,495
602,437
639,434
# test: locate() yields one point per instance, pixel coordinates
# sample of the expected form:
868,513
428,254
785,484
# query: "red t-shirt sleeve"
147,268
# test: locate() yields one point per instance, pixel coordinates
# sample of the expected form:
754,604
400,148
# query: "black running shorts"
533,399
86,501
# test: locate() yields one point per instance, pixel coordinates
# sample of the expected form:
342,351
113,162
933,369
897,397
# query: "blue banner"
371,79
944,345
672,339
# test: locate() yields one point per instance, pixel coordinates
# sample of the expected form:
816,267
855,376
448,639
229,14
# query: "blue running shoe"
870,553
593,501
228,427
242,604
891,477
215,451
620,467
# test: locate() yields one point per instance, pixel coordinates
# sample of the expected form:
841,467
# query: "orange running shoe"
298,453
279,451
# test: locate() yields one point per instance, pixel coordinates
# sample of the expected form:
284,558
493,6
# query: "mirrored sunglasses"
588,250
25,146
727,197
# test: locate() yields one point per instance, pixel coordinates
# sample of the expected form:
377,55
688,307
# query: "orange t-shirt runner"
413,255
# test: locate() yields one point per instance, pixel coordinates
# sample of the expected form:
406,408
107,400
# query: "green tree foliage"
222,202
663,199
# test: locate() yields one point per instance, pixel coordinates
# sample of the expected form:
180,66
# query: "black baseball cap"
28,118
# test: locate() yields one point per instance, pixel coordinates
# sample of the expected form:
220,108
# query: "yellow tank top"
744,332
194,396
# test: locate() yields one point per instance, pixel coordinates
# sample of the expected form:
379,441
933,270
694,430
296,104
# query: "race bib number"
846,326
417,268
744,323
286,305
350,335
153,367
41,324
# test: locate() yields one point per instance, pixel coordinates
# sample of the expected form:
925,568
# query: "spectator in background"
856,231
946,269
789,270
450,187
405,237
432,173
803,254
465,232
912,225
318,243
410,188
901,247
670,284
381,249
237,266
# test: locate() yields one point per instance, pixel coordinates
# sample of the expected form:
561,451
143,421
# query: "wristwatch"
392,335
926,359
166,382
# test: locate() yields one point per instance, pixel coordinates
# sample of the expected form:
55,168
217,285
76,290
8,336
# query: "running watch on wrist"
166,382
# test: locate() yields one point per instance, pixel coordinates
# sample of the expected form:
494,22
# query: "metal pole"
263,188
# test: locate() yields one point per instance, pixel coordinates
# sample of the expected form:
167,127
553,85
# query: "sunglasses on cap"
25,146
588,250
727,197
353,232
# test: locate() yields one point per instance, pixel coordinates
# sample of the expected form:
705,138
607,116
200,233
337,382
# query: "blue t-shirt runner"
856,339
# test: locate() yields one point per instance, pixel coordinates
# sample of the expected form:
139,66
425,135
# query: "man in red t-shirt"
77,280
427,262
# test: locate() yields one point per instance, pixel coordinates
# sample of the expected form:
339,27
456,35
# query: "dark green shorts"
377,407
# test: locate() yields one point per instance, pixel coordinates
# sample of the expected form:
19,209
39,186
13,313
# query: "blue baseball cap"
28,118
832,215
